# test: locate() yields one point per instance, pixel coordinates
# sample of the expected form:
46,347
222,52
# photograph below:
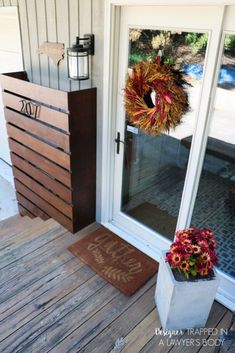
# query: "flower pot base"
185,304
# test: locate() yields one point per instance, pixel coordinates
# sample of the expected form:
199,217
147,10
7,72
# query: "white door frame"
111,51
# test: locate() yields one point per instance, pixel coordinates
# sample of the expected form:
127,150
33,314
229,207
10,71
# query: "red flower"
205,257
193,250
212,243
203,271
176,259
196,249
168,257
188,249
174,248
186,241
203,243
184,266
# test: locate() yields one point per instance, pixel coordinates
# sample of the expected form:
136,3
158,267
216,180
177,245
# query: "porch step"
30,237
10,227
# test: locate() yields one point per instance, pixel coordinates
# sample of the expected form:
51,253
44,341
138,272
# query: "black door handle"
118,140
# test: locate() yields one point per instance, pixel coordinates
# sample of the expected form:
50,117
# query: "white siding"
57,21
62,21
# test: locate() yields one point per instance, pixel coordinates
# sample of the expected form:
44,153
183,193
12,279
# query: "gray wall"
57,21
61,21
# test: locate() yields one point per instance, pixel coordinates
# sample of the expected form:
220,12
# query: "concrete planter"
183,305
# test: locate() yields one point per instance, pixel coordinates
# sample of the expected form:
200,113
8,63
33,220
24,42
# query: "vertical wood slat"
7,2
52,37
53,21
73,31
33,37
14,2
62,20
85,10
25,38
42,37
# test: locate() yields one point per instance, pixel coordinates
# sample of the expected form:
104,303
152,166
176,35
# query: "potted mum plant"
187,281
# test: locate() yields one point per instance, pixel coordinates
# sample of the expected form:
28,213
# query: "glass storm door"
150,171
187,176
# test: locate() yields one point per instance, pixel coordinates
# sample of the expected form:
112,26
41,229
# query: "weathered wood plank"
140,335
57,243
34,281
25,234
223,325
75,307
34,290
215,316
95,327
12,231
32,244
32,271
164,344
73,275
12,222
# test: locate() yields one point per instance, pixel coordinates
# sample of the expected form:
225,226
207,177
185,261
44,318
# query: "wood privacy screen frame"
53,150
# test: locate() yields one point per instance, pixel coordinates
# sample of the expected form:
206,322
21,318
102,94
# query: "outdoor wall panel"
54,21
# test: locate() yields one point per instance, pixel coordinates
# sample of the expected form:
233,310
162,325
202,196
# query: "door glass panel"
155,166
215,202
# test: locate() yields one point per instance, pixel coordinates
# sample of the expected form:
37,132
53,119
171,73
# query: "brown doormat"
155,218
118,262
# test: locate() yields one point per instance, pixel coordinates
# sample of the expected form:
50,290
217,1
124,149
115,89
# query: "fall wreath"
155,96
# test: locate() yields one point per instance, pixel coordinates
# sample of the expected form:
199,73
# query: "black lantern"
78,57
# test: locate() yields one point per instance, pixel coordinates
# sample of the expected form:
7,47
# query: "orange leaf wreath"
155,97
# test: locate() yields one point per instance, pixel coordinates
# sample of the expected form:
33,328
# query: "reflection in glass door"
215,202
154,167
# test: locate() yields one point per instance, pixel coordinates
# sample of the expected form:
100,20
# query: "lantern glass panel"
78,65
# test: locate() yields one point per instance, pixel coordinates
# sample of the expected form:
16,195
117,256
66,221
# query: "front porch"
52,302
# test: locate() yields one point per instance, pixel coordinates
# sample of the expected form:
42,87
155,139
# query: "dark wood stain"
54,153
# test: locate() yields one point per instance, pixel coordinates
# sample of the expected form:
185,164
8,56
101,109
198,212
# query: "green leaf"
193,272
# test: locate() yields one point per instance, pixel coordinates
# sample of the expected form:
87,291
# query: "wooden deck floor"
52,302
